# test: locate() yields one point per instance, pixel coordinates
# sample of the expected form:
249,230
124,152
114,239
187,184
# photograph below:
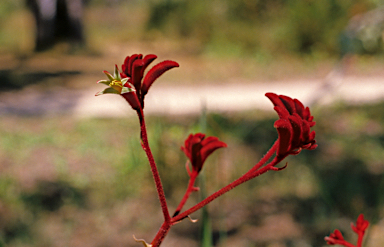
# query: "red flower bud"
197,148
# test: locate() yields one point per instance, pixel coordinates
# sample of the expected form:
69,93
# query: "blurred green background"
67,181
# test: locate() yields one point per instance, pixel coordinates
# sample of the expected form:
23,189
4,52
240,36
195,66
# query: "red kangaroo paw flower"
335,238
361,225
294,125
128,83
197,148
359,228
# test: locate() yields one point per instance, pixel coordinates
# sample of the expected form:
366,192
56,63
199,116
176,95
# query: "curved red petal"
282,112
155,72
136,73
299,107
131,60
338,235
307,114
305,134
312,136
199,135
208,140
284,129
125,66
296,123
209,148
186,149
312,147
289,103
148,59
274,98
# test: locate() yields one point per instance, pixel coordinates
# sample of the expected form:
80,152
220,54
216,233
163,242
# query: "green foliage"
243,27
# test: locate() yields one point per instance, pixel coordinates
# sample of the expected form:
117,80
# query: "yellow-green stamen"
117,85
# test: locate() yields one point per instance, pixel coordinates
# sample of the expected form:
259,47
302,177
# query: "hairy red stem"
188,192
246,177
163,231
155,172
266,157
360,240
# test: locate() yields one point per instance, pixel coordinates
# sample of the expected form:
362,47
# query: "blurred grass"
71,174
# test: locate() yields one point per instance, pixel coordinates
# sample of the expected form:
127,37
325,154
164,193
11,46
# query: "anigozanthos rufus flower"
130,83
197,148
293,126
337,238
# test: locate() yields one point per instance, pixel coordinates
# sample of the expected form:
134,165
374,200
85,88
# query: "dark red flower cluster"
197,148
337,238
293,126
134,67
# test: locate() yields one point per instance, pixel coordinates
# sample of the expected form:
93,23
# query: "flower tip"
270,94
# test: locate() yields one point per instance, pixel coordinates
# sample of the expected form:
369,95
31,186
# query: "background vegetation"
257,28
66,182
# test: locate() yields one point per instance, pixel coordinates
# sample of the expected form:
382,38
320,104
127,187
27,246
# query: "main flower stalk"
155,172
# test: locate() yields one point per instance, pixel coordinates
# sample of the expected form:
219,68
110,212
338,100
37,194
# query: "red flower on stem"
197,148
337,238
134,67
130,84
293,126
361,225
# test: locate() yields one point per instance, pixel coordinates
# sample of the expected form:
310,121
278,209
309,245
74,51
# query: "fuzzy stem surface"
161,234
155,172
188,192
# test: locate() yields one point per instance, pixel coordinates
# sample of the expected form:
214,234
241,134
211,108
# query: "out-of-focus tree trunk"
57,20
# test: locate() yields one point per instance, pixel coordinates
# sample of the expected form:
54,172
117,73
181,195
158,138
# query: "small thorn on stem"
142,241
195,189
192,220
